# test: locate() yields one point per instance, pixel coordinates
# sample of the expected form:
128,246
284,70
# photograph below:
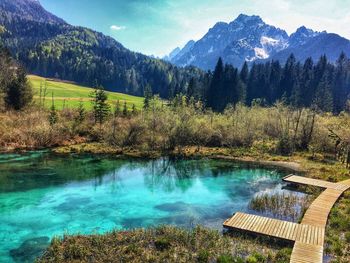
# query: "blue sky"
158,26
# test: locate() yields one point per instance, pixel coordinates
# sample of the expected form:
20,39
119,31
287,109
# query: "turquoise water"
43,195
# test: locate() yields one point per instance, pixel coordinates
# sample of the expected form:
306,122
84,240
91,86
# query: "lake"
44,195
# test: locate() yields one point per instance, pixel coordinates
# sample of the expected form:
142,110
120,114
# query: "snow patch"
260,53
269,41
211,50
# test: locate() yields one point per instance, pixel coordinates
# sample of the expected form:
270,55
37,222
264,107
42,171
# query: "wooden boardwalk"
314,182
309,235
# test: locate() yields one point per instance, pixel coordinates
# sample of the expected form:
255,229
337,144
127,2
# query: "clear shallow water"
43,195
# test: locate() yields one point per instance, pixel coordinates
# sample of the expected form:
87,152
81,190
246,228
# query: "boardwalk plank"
310,234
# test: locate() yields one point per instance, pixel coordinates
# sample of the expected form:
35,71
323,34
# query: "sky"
156,27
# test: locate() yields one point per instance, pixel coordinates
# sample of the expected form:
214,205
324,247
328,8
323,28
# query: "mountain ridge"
249,38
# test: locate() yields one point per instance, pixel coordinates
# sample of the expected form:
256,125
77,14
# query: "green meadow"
69,95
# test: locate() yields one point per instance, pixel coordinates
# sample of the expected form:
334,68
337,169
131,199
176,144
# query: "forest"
320,85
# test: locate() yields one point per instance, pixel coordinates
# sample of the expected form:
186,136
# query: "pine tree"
117,108
191,89
53,116
244,74
125,109
214,98
18,92
81,113
275,80
341,83
257,84
133,111
148,96
251,84
323,99
306,81
233,90
296,99
101,108
288,78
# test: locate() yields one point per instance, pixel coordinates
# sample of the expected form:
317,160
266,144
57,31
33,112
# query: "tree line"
319,85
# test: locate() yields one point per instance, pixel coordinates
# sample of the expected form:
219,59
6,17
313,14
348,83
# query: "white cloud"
117,28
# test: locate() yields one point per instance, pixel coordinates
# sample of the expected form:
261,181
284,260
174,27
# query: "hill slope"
69,95
50,47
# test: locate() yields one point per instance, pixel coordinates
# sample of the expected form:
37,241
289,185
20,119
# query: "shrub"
285,146
203,256
162,243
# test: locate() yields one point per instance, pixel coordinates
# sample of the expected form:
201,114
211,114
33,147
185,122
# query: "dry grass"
162,244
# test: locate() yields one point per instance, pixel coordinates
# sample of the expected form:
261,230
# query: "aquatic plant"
288,206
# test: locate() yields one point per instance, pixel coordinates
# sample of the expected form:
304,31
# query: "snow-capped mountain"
302,35
249,38
172,54
178,52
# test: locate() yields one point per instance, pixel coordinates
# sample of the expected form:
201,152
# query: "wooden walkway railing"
309,234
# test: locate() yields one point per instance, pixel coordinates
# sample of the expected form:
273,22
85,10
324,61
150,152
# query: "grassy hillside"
70,94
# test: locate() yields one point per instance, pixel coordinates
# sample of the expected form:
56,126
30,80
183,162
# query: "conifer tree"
53,116
323,99
81,113
18,91
191,89
133,111
306,82
341,83
101,108
252,84
215,90
117,109
275,80
244,74
148,96
125,109
288,78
